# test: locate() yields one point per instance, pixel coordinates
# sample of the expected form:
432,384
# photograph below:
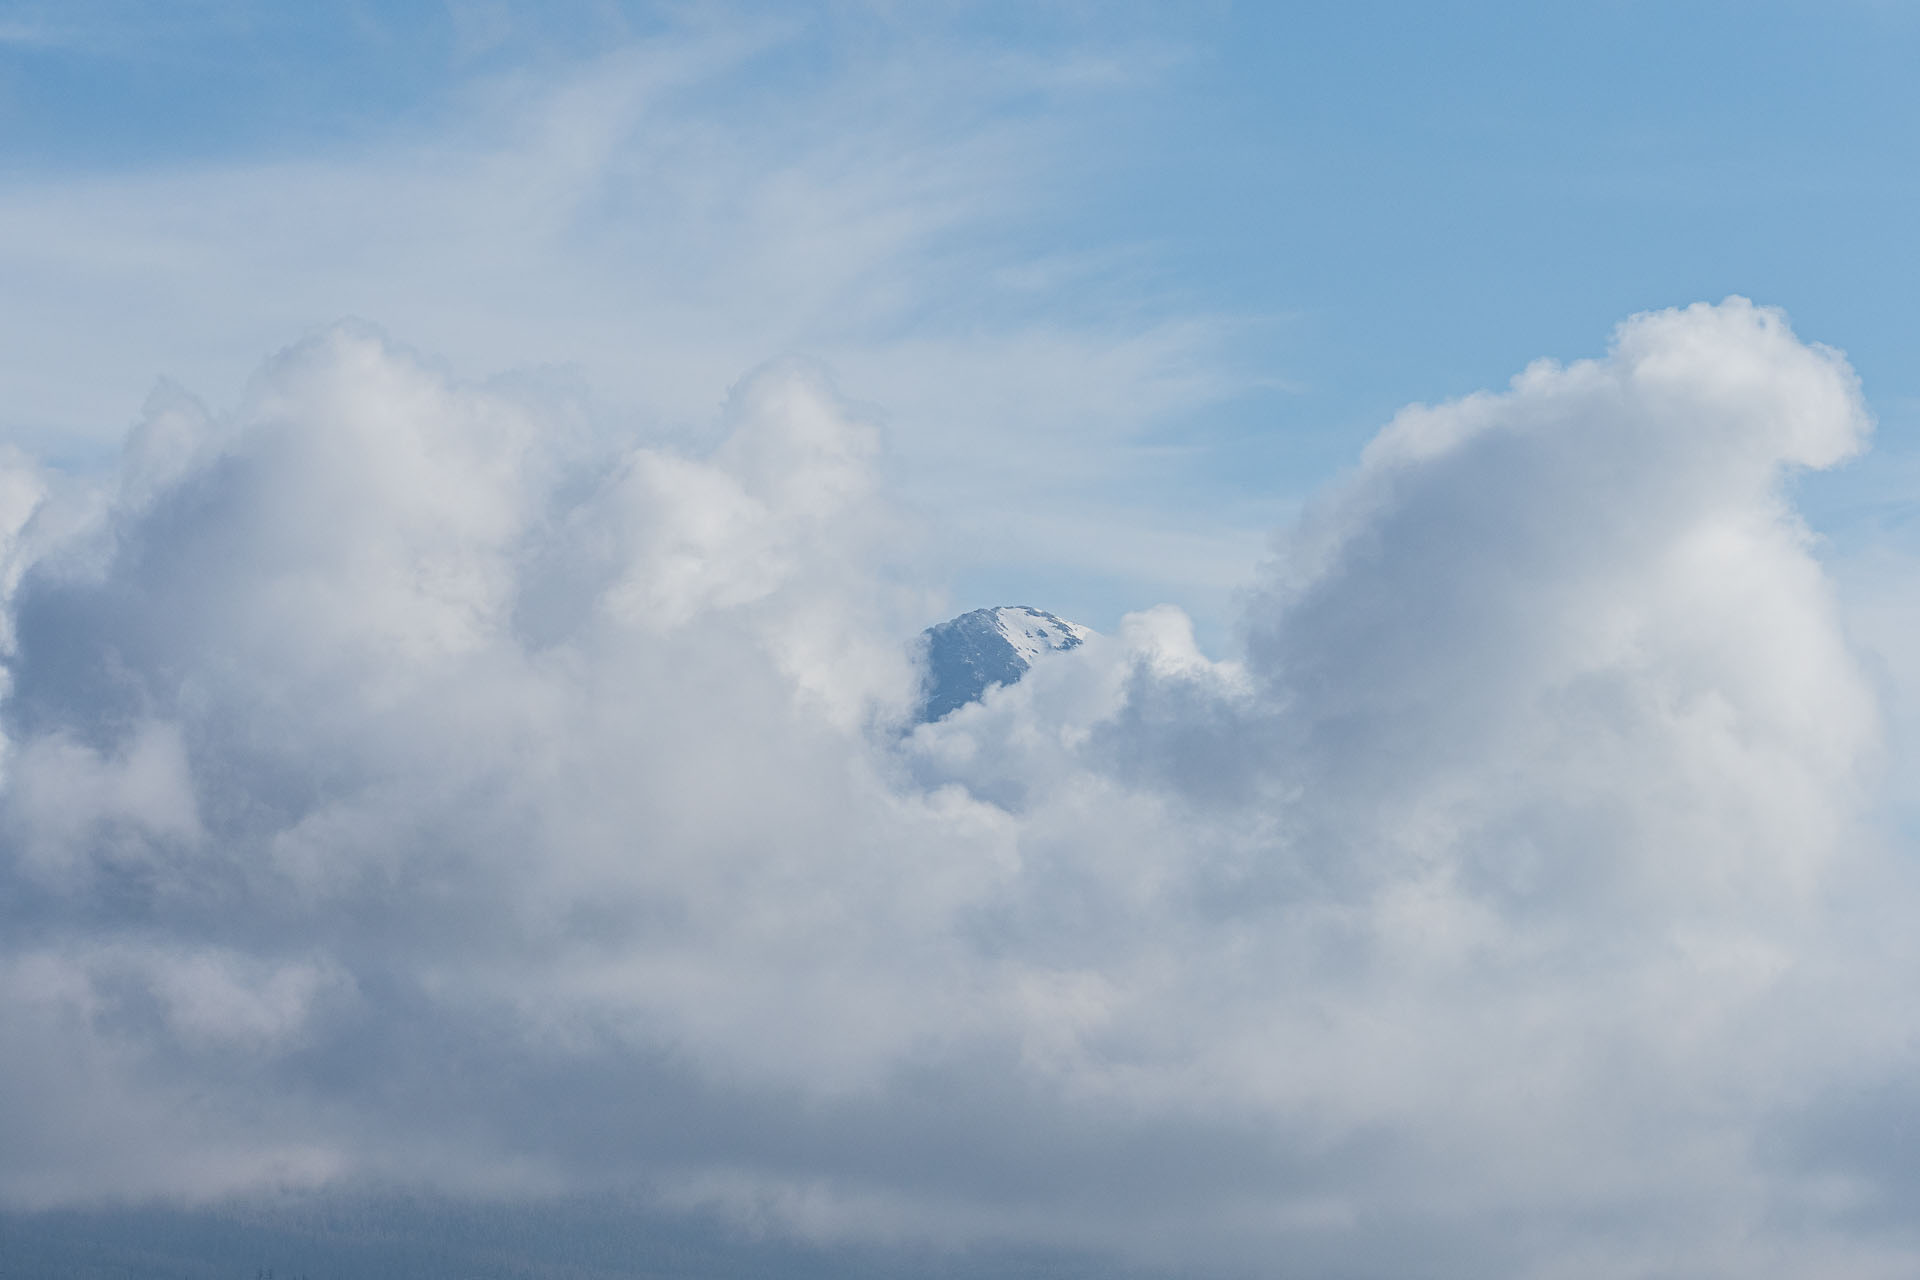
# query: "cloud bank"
404,787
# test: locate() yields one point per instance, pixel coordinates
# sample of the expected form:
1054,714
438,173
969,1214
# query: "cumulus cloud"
466,802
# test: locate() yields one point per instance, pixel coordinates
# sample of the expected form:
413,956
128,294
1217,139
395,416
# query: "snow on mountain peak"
1033,632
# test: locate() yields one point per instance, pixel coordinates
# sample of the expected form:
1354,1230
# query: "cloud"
649,218
470,802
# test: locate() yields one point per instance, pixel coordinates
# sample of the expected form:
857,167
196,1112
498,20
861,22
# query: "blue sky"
473,473
1312,214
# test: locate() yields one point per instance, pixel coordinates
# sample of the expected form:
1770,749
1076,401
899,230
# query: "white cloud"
468,802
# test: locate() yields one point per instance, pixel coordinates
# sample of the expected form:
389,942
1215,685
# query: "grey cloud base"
403,789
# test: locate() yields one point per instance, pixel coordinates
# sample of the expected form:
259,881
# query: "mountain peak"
972,653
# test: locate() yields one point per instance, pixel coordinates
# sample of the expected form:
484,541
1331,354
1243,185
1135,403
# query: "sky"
471,475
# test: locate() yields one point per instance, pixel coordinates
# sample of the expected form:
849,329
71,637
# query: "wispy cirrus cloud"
650,221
